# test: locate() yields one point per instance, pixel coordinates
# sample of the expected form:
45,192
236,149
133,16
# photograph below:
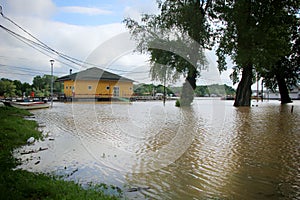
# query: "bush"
177,103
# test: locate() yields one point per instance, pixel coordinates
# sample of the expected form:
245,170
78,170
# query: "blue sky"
93,12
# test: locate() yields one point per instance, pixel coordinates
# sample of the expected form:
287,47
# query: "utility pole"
262,90
257,95
51,62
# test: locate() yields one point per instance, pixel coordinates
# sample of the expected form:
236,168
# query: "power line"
33,73
48,51
18,73
45,46
42,49
36,46
40,43
29,70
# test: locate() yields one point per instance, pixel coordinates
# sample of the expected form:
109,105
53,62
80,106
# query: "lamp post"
51,62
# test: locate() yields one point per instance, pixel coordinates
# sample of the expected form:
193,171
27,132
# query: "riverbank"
20,184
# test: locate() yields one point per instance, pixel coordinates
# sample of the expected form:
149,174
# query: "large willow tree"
175,39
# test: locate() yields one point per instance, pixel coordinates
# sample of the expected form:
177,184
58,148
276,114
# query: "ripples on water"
211,150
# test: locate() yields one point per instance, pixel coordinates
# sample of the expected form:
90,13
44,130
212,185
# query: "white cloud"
80,42
85,10
75,41
132,13
134,9
23,62
40,9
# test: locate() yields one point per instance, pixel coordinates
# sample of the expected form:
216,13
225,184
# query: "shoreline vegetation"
21,184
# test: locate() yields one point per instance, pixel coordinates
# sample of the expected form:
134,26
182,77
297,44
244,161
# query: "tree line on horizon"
200,91
40,87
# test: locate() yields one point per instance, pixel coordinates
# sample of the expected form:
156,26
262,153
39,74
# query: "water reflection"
265,136
211,150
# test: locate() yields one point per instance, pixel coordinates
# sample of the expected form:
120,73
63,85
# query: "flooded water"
210,151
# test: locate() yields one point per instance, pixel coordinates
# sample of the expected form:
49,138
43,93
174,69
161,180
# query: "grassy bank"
20,184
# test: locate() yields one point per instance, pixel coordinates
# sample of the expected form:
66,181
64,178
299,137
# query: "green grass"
20,184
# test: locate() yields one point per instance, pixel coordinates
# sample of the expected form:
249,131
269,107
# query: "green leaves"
41,85
7,88
255,31
175,38
260,35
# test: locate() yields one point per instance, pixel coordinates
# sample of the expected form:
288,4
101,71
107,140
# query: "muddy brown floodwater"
211,150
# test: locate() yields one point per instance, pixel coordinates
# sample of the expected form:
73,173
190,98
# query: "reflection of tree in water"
254,157
162,154
168,143
283,133
266,150
198,171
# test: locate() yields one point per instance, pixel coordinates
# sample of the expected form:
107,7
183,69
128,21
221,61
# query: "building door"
116,91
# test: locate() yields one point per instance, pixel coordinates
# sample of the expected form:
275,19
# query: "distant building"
95,83
267,94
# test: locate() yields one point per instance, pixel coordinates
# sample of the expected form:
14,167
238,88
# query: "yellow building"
95,83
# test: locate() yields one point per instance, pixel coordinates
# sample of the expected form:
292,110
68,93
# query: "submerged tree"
175,39
237,41
285,74
256,35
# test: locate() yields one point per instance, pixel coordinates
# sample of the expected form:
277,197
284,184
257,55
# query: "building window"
89,87
66,87
116,91
107,87
73,88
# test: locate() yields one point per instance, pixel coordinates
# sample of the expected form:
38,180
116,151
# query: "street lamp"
51,62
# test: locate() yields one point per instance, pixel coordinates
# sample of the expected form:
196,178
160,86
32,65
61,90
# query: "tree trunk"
243,92
283,90
187,93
